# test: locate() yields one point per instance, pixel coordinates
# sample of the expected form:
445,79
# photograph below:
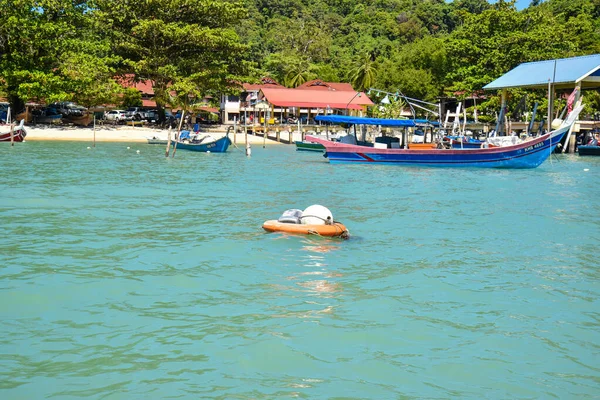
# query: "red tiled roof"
143,86
320,99
317,84
209,109
265,82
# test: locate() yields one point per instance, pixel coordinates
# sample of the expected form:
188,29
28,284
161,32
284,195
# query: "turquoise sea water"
132,276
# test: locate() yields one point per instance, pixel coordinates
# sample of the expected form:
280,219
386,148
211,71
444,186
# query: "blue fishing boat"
528,154
203,144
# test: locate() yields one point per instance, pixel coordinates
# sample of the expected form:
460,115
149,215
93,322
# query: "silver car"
116,115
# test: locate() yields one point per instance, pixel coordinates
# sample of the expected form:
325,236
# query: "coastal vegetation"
79,50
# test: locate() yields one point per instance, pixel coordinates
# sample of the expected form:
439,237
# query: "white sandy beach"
118,134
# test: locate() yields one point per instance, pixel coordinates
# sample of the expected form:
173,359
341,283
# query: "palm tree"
296,75
363,76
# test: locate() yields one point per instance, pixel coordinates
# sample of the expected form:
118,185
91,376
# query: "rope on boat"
344,234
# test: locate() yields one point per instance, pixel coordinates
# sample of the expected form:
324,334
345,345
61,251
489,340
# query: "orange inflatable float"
315,220
334,230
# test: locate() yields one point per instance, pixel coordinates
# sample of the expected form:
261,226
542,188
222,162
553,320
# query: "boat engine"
292,216
317,215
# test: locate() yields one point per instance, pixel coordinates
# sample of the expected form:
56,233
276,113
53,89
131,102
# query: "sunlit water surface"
126,275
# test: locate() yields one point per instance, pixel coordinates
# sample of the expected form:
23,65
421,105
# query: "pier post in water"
178,133
168,142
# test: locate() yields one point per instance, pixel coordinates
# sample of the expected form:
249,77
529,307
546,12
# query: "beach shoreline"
120,134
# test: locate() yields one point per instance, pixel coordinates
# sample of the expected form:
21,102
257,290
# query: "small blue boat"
202,144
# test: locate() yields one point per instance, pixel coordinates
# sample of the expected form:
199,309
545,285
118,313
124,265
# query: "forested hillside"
77,50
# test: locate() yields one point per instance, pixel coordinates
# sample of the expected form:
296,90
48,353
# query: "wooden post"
12,134
245,126
572,141
550,100
178,132
168,142
234,130
94,130
502,113
277,135
265,131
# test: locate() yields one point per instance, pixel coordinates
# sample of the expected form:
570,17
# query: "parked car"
68,108
152,116
116,115
137,113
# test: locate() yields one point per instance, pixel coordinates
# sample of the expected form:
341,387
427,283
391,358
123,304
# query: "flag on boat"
571,100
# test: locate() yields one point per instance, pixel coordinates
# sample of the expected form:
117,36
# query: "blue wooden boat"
202,144
529,154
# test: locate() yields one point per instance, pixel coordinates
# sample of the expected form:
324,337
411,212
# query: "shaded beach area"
120,134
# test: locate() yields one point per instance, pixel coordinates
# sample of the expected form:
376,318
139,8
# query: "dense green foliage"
75,50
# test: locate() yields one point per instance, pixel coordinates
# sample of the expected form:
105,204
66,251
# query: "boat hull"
529,154
18,135
309,146
157,141
218,146
589,150
335,230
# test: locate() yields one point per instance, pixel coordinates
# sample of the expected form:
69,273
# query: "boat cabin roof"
345,119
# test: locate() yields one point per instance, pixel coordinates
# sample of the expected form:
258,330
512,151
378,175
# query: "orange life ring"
335,230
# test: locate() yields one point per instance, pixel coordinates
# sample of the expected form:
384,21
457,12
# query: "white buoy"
128,147
248,150
138,151
208,151
586,169
317,215
89,147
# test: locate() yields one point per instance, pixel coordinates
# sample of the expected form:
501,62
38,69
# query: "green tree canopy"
187,48
52,51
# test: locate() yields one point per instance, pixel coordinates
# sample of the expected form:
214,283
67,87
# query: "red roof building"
307,98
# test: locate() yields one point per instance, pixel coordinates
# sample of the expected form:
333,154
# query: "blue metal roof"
342,119
569,71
